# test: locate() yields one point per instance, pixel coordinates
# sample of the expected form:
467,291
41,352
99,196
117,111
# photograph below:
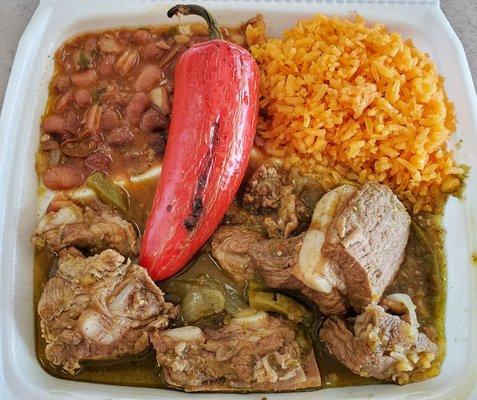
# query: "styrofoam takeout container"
21,376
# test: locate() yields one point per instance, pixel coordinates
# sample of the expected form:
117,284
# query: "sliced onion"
160,98
109,44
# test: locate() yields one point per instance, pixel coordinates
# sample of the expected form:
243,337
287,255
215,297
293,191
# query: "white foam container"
21,376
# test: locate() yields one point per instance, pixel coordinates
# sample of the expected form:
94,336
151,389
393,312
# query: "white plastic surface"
21,376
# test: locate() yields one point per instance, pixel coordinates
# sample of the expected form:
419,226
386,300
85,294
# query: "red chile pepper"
214,117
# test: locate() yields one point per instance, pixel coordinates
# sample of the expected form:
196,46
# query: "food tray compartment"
54,21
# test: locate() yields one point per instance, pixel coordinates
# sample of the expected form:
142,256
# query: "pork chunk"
263,190
381,345
88,229
271,192
258,352
98,308
274,261
286,221
230,248
367,240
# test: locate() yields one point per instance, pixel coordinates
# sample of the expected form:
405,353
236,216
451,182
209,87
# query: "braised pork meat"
245,254
91,230
230,248
99,307
380,345
274,261
264,188
286,220
258,352
273,194
367,240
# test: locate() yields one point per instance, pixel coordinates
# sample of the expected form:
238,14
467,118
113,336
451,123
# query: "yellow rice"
344,100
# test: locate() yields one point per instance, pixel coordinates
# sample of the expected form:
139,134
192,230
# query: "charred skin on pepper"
198,204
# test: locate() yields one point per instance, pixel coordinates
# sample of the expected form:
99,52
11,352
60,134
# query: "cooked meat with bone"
98,308
230,248
69,224
381,345
367,240
274,261
257,352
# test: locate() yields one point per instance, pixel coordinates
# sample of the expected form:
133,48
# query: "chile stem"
193,9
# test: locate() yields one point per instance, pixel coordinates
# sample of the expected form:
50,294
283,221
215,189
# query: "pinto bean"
110,120
148,78
150,51
124,37
106,66
69,66
67,60
98,161
61,177
119,136
62,101
82,97
136,107
84,78
60,83
54,124
153,121
141,36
